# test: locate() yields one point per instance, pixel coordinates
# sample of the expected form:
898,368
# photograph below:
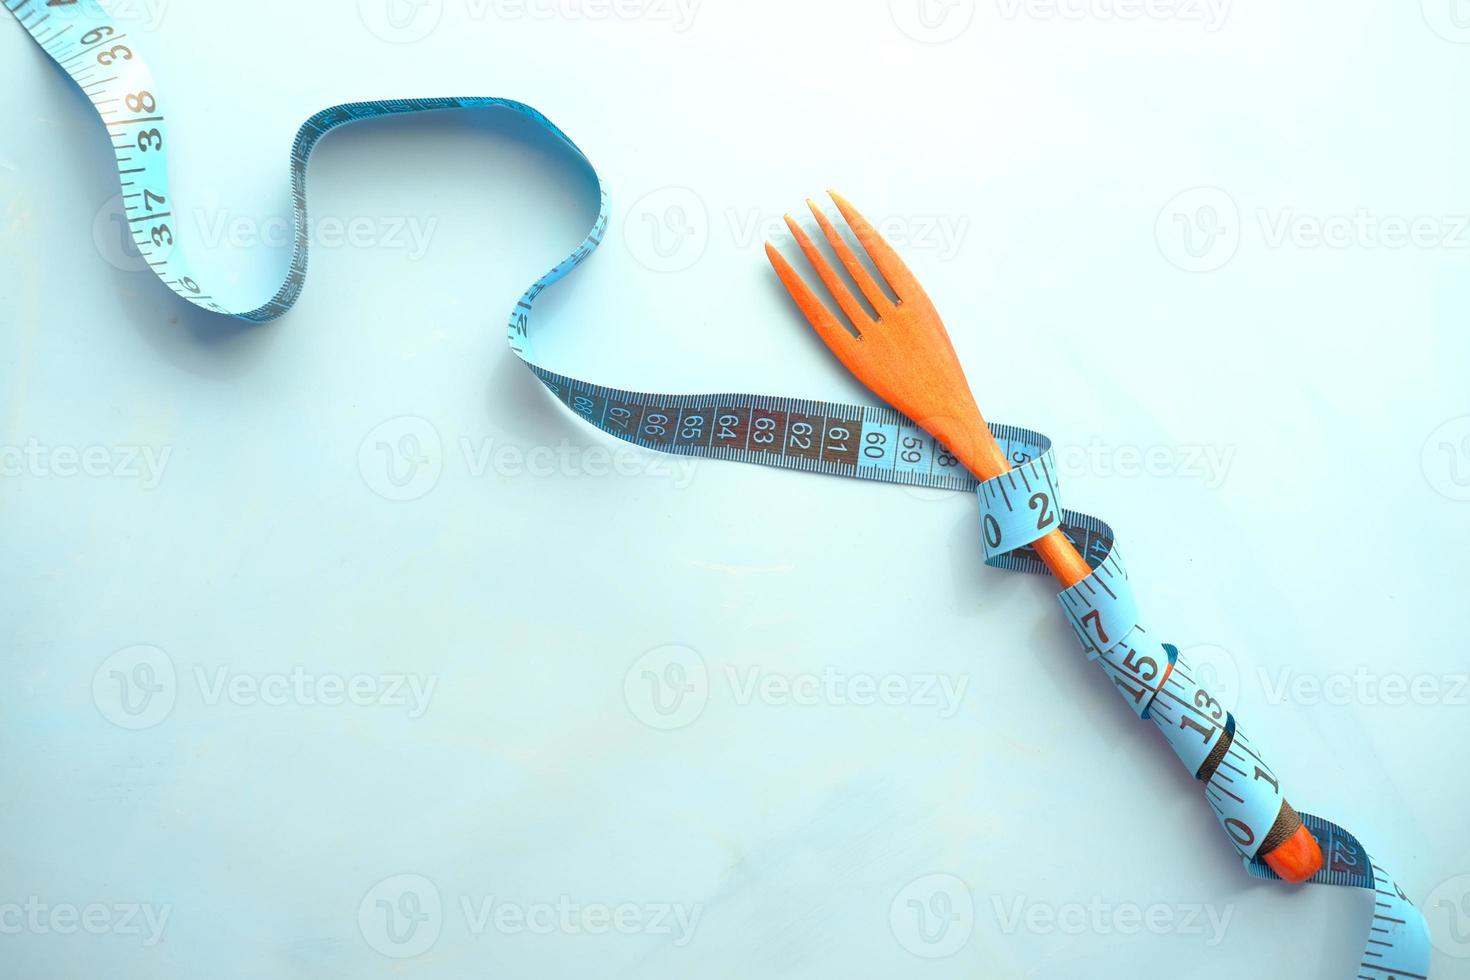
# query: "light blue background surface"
1276,425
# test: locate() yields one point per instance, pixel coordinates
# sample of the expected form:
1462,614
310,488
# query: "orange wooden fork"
902,352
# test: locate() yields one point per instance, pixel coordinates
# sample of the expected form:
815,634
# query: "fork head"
891,339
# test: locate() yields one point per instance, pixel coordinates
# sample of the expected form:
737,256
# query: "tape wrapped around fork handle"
1021,507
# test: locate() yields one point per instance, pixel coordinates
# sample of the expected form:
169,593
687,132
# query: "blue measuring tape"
868,442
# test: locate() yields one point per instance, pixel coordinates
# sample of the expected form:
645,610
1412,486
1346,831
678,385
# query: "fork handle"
1062,558
1240,786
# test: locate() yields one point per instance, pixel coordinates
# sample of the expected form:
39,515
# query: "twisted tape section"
1157,682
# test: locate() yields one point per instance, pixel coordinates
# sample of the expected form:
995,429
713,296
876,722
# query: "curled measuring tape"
846,440
1159,684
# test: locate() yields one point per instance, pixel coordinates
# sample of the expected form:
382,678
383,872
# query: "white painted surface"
1278,436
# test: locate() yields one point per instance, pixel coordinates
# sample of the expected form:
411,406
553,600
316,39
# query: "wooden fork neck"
963,431
969,438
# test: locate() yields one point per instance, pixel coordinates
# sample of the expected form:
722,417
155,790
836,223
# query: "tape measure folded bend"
846,440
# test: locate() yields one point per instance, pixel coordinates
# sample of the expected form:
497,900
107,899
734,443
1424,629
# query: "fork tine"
856,315
855,268
899,278
837,337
